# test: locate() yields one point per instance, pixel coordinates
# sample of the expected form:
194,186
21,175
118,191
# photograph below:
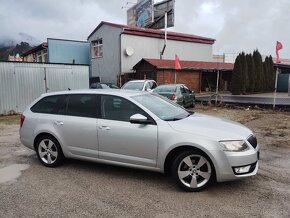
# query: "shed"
196,75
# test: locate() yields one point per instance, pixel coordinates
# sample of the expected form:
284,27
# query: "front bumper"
236,165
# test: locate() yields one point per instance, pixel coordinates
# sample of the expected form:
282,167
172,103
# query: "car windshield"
167,88
104,86
133,85
112,86
162,107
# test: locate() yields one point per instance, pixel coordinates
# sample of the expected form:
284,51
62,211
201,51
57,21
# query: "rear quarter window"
48,105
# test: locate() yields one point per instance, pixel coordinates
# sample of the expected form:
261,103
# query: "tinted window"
116,108
83,105
48,105
154,85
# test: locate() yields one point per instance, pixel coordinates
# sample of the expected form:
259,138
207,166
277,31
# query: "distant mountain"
17,39
10,49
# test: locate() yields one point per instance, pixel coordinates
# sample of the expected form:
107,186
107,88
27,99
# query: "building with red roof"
116,48
196,75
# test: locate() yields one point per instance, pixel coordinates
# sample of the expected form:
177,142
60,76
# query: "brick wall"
190,78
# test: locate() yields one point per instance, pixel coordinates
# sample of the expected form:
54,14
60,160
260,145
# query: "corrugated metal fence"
21,83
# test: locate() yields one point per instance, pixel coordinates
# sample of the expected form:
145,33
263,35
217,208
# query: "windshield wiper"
173,119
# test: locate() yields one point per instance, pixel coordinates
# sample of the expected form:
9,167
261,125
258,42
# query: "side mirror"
139,119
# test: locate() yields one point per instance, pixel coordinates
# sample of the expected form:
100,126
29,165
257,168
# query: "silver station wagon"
141,130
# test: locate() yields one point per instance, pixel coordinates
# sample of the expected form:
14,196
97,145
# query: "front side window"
161,107
83,105
97,48
48,105
120,109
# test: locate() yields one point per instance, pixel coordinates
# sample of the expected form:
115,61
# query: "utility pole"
165,35
275,91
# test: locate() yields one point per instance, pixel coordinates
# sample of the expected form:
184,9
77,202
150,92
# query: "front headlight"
234,145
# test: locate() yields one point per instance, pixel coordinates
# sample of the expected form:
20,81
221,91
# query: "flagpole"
174,76
275,91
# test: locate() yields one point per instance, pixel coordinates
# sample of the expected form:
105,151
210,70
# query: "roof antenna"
68,89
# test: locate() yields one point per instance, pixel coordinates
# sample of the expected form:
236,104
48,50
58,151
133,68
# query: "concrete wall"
65,51
108,66
145,47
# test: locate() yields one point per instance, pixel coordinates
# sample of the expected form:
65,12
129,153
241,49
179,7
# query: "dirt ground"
77,189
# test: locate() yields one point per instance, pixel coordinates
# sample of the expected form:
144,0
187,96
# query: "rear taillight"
22,118
173,97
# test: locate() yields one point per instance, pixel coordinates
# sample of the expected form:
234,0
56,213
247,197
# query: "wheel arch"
41,134
177,150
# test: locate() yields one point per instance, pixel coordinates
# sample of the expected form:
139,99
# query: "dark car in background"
178,93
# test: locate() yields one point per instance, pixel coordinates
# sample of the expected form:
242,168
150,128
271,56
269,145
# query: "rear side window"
48,105
83,105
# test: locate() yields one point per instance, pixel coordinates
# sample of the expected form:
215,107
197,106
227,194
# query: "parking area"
78,189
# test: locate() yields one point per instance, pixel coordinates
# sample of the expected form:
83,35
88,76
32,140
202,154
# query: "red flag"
177,64
279,46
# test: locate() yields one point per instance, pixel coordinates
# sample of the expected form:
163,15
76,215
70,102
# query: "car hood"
216,128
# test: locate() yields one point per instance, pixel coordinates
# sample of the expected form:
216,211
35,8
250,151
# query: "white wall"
21,83
145,47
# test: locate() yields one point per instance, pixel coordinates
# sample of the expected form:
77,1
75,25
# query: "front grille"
253,141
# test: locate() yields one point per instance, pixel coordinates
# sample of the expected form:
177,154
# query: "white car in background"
140,85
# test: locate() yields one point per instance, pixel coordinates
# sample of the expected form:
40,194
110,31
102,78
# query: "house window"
45,55
97,48
39,56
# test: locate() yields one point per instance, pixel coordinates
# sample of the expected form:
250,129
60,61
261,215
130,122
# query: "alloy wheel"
194,171
48,152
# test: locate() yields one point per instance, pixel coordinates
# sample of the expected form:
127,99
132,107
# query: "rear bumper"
26,138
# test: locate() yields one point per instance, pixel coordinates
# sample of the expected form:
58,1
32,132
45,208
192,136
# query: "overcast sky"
236,25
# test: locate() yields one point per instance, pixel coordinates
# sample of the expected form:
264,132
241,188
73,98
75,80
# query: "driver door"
122,141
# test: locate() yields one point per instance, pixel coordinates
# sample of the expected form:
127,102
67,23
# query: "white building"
116,48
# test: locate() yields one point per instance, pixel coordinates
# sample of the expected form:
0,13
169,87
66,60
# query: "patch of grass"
11,119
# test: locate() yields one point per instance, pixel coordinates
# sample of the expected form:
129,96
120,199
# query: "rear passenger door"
77,124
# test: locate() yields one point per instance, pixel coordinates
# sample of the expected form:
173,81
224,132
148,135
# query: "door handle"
59,123
104,127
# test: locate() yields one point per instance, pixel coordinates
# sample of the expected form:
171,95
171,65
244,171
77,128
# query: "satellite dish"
129,51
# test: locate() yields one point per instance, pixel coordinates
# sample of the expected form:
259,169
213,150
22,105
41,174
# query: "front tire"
49,151
192,171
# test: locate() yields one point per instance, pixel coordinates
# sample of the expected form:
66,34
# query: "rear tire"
49,151
192,171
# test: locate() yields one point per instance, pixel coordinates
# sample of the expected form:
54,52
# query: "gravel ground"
82,189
